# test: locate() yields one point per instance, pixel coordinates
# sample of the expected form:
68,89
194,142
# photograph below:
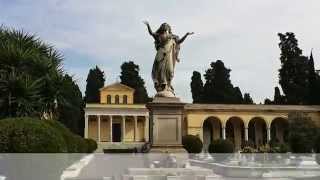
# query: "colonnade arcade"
256,130
117,128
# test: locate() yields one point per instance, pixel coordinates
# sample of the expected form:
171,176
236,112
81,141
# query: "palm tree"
19,94
31,74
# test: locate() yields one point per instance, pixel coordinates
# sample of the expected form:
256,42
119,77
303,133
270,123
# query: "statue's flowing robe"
163,66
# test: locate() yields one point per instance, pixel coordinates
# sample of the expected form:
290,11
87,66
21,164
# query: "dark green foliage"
294,72
278,98
74,143
192,144
71,114
247,99
221,146
92,145
314,83
268,101
130,77
29,135
32,82
302,132
218,87
196,87
29,74
277,147
95,81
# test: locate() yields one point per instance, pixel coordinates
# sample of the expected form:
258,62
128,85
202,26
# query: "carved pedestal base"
166,116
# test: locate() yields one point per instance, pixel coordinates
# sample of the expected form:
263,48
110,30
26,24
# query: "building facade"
116,122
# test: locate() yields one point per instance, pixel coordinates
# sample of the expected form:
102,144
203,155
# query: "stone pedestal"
166,116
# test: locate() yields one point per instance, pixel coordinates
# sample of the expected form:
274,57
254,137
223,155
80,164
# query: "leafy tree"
302,132
130,77
218,87
294,71
95,81
247,99
196,87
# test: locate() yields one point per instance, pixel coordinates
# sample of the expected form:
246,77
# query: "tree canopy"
217,88
95,81
130,76
196,87
295,71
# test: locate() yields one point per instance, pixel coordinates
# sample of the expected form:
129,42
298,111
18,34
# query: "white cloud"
241,33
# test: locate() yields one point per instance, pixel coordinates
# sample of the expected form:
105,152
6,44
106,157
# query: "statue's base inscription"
166,124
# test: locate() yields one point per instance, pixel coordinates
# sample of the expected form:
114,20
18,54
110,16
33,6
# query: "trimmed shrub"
92,145
221,146
29,135
75,143
192,144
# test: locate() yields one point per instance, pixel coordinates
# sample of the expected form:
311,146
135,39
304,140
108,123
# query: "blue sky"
106,33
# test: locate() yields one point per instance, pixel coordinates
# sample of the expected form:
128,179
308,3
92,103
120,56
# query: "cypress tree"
95,81
247,99
196,87
218,87
130,77
294,71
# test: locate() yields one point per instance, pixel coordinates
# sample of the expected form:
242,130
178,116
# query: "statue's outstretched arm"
149,28
184,37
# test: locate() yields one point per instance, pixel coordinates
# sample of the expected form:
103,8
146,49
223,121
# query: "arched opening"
257,131
211,131
116,100
109,99
235,131
279,130
125,99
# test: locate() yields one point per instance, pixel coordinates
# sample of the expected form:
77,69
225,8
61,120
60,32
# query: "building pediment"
117,87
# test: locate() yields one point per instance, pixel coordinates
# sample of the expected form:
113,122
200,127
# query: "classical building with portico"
116,122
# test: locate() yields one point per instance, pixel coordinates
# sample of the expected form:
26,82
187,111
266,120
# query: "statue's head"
164,27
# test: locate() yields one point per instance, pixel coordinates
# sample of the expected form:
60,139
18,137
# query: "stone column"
99,138
223,132
146,128
246,134
268,134
135,128
110,120
123,128
86,126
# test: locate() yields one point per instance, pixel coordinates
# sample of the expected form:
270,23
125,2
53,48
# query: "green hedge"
75,143
192,144
221,146
23,135
28,135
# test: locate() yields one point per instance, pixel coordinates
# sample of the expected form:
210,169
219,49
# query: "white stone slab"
173,178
